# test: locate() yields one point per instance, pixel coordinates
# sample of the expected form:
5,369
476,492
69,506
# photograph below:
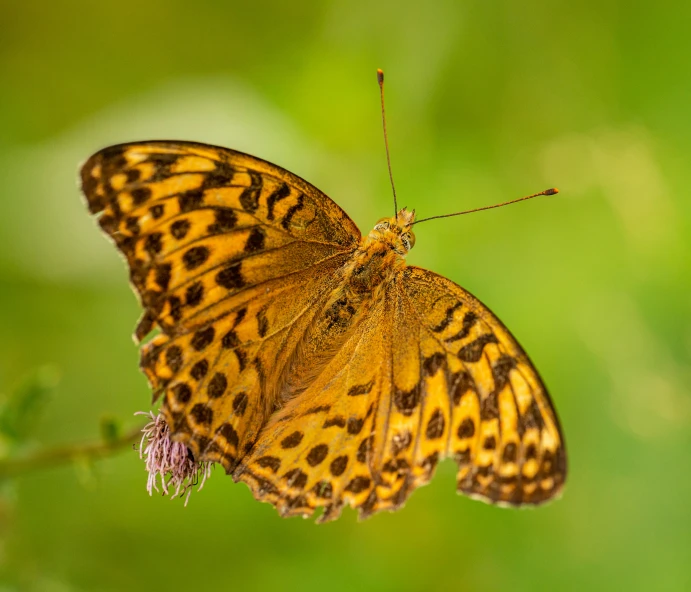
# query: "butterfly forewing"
228,254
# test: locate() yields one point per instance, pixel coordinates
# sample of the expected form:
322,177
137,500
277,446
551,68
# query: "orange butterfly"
313,363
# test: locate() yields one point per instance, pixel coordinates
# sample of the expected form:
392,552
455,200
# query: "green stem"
51,457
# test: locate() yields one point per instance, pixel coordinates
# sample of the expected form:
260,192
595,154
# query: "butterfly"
312,363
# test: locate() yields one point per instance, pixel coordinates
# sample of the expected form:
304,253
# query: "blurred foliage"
111,429
486,101
20,410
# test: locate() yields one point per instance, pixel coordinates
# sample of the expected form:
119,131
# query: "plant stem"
51,457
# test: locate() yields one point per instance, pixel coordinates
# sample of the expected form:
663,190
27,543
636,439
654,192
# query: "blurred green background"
487,101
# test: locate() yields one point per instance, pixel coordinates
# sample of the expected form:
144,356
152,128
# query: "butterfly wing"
481,401
317,450
430,373
227,253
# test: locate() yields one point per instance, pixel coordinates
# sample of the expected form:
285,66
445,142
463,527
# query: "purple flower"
169,460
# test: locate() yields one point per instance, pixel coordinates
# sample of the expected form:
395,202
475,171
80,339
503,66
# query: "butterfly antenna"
380,79
551,191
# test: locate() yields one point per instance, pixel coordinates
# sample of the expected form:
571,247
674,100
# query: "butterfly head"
396,232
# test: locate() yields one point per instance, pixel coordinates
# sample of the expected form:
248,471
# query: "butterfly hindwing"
430,373
318,450
498,421
227,253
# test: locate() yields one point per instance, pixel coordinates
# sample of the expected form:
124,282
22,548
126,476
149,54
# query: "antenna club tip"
552,191
380,76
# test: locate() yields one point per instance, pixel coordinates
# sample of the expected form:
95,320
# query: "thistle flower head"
169,463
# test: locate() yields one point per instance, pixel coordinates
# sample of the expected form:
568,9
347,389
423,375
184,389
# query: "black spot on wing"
249,198
180,228
282,192
157,211
202,338
221,177
230,340
338,465
175,305
195,257
162,163
199,370
446,321
190,200
400,442
292,210
355,425
318,409
226,219
255,240
292,440
202,414
435,426
229,433
461,383
182,393
317,455
154,243
406,401
532,418
510,452
360,389
194,294
338,421
501,371
472,352
230,277
262,323
132,224
269,462
433,363
358,484
489,407
296,478
139,195
466,429
133,176
240,403
469,320
217,385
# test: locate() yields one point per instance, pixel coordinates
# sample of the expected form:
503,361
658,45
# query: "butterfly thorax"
380,255
357,287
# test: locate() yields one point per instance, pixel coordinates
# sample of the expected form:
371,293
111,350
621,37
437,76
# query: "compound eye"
408,240
383,224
